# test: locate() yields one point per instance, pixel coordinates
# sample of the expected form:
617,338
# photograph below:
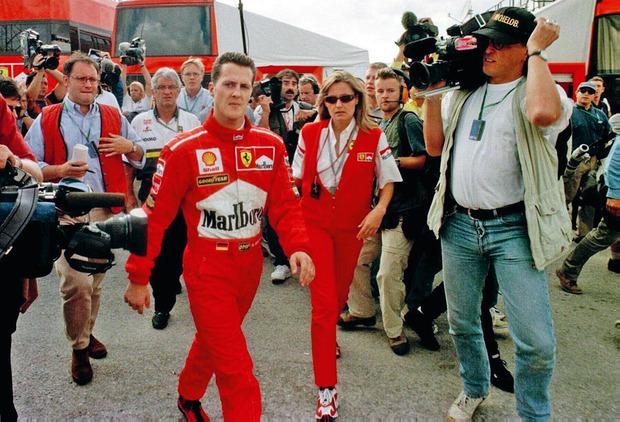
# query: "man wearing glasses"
500,206
193,97
107,135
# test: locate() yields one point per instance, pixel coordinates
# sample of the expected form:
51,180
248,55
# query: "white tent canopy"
575,19
274,43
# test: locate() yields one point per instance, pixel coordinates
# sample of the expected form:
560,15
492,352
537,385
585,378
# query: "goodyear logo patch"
218,179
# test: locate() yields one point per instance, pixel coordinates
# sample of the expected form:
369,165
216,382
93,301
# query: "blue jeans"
469,248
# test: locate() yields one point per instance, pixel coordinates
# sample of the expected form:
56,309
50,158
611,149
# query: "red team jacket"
353,198
224,181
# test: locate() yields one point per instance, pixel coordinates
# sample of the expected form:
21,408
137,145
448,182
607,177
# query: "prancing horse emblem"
246,157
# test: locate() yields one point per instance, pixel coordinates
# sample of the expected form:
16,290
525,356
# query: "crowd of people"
362,191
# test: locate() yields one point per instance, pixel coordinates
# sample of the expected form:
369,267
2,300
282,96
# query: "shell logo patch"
209,161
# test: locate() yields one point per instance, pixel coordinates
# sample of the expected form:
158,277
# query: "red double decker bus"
71,24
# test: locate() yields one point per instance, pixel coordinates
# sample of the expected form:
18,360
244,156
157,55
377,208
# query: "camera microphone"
94,200
124,46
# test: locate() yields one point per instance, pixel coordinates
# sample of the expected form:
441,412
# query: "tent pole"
245,47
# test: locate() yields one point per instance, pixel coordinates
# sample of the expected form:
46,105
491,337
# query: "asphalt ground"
137,381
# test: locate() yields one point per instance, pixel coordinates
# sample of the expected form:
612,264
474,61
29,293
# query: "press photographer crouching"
88,143
499,204
16,292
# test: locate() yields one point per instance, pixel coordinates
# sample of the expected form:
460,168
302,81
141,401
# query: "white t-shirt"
107,98
156,133
330,168
131,106
486,174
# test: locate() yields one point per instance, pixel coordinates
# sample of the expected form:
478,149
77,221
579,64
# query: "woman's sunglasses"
332,99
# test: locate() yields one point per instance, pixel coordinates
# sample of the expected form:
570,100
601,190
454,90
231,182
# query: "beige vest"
548,223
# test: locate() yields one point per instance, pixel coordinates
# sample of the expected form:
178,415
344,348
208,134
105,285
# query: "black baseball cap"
509,25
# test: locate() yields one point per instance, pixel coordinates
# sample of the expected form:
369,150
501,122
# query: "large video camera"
272,87
31,237
458,58
32,45
132,53
110,72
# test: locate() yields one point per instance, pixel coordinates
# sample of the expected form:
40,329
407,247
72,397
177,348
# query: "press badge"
477,129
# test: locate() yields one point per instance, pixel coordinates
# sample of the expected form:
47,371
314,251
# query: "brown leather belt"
488,214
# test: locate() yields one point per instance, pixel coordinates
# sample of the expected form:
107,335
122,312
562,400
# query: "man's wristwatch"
541,53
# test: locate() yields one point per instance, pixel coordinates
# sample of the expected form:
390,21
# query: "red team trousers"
335,254
221,288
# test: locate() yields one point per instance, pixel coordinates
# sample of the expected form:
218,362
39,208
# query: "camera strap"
19,217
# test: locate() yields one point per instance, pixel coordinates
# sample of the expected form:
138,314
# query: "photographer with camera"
37,85
193,97
286,120
157,127
15,99
16,293
140,97
88,143
499,203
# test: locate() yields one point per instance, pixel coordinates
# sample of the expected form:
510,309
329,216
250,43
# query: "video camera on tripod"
31,237
32,45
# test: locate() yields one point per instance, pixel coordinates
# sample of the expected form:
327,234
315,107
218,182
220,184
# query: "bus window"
168,31
607,34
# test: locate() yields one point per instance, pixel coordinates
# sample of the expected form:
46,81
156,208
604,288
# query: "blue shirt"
612,170
589,126
75,128
195,105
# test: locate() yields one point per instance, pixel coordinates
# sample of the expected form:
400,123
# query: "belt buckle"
469,214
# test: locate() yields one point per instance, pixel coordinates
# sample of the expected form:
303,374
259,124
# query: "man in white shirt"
157,127
499,205
140,97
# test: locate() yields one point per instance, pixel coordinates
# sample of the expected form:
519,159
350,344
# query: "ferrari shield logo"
246,157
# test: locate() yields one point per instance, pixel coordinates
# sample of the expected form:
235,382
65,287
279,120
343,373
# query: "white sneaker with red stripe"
327,405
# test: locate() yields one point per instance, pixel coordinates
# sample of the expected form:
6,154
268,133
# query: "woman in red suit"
336,161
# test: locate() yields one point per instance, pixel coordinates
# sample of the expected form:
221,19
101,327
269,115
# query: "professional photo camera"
272,87
456,59
132,53
32,238
32,45
110,72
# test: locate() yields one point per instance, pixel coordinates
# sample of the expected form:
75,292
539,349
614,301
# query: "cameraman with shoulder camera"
54,138
37,84
16,293
499,203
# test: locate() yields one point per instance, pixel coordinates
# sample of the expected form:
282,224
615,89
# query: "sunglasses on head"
587,91
332,99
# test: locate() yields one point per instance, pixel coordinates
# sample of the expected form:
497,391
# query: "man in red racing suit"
223,176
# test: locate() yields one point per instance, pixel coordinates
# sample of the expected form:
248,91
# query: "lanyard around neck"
195,101
78,126
161,122
484,98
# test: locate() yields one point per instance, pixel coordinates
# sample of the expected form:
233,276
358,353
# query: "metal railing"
531,5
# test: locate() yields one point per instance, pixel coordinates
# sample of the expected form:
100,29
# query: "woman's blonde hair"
361,109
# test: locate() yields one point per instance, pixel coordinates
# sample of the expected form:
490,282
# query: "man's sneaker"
192,410
500,375
568,285
327,405
399,345
613,265
280,274
463,408
423,327
346,321
500,324
160,320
